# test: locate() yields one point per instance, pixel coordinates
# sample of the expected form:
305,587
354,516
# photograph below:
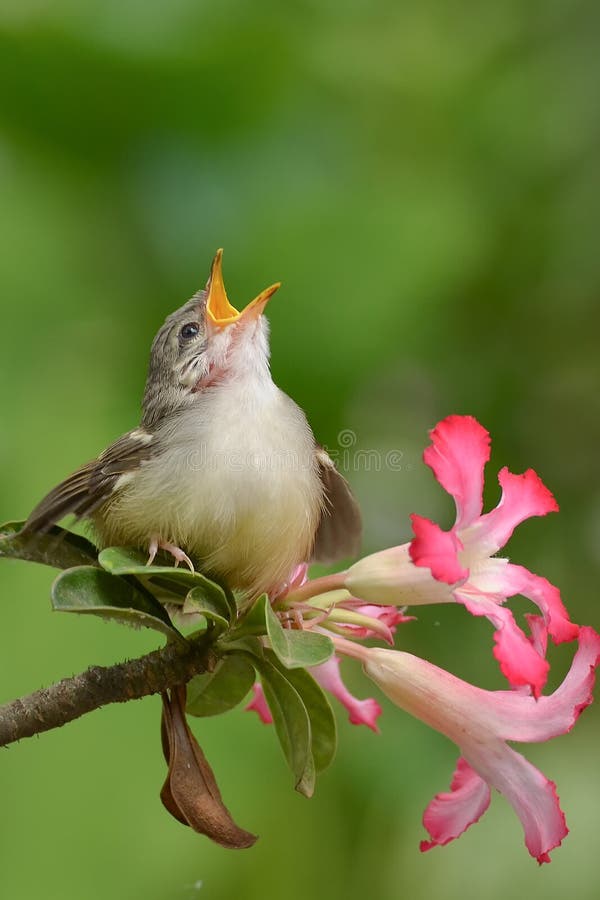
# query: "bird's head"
204,343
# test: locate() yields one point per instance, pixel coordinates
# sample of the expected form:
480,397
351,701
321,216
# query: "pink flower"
354,619
259,704
459,565
297,577
361,712
481,722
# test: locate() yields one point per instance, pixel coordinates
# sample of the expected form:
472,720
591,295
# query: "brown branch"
66,700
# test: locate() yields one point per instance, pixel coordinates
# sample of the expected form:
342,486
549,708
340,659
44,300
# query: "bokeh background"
424,179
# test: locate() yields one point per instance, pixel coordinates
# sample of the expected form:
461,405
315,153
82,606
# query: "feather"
91,486
340,528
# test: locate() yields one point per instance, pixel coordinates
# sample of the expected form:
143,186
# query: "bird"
223,473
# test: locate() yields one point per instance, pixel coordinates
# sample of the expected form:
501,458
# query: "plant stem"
321,585
98,686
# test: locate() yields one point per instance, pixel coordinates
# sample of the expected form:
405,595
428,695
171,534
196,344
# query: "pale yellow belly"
247,523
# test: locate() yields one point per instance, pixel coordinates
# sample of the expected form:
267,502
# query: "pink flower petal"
297,577
523,496
391,615
530,793
464,712
373,621
361,633
459,451
538,633
361,712
519,660
498,576
436,550
387,617
480,722
519,718
449,815
548,600
259,705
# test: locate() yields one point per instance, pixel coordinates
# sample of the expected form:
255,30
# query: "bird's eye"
189,331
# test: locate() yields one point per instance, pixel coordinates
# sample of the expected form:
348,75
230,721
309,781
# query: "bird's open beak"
218,308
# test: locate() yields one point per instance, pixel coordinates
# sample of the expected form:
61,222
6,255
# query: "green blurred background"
424,179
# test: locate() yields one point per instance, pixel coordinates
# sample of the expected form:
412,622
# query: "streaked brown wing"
340,529
91,485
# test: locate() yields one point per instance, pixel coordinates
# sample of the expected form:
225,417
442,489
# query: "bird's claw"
176,552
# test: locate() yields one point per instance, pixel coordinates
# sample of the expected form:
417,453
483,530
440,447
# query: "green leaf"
124,561
56,547
217,692
292,725
242,603
323,725
295,648
85,589
251,645
216,612
254,621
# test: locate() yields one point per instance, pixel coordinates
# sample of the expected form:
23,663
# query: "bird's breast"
234,483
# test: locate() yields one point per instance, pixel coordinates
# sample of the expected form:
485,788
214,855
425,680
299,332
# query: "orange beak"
218,308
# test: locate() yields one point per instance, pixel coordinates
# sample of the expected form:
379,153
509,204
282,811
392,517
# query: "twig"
66,700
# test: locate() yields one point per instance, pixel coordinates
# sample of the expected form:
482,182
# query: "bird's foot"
176,552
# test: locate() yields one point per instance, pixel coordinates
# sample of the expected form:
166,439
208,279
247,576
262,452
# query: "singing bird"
223,472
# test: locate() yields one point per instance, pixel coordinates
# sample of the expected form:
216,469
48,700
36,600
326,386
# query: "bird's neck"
237,371
241,355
